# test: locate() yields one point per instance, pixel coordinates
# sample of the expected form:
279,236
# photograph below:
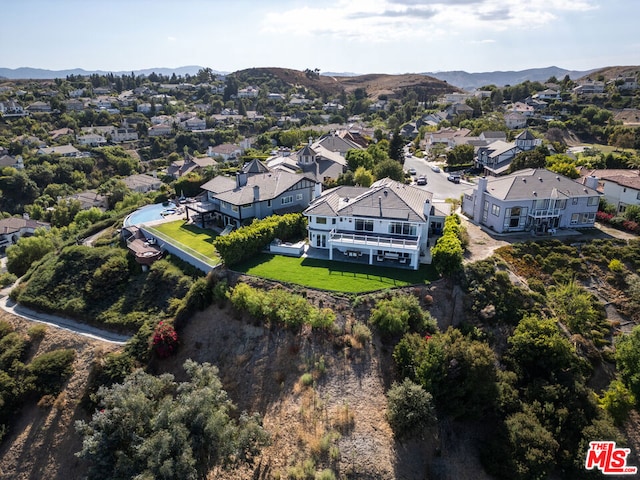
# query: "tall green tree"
396,147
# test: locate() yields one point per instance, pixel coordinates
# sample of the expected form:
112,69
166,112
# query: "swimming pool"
149,214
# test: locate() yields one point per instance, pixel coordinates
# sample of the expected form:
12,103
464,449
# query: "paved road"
437,182
10,306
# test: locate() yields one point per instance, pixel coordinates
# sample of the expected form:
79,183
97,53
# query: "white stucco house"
620,187
536,200
387,224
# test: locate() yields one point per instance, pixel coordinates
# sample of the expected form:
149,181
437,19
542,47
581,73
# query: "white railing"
545,212
374,240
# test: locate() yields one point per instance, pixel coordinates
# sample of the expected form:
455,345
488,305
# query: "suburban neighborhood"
399,277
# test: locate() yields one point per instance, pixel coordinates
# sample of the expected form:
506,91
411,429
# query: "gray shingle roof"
386,198
536,183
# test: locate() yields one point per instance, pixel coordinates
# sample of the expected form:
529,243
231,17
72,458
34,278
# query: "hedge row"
248,241
281,307
447,253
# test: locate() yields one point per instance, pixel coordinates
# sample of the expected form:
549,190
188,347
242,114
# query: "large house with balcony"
387,224
535,200
256,192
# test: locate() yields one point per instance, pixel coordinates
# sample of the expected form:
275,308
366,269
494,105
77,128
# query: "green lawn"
188,235
336,276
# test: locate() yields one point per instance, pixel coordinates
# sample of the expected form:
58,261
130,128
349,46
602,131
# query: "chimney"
317,190
591,181
479,199
241,179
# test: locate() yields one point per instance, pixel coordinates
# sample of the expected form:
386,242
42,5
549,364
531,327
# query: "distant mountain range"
470,81
42,74
457,78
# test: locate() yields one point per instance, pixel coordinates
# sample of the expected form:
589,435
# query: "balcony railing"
544,213
375,240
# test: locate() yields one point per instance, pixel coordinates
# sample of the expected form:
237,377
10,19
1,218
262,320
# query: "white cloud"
392,20
171,39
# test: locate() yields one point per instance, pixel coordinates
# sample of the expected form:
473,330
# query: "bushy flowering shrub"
165,340
618,221
603,217
630,226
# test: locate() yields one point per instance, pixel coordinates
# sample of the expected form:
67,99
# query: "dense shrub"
409,408
401,313
458,371
447,252
26,251
279,306
248,241
618,401
51,370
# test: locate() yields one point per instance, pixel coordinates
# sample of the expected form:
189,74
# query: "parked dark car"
454,178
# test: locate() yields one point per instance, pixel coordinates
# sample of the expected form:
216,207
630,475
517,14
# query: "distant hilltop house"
92,140
159,130
39,107
323,159
62,150
589,87
515,120
13,228
387,224
10,108
191,164
10,161
496,157
248,92
255,192
142,183
535,200
226,151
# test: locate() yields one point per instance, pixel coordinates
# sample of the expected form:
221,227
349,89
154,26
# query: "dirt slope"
42,442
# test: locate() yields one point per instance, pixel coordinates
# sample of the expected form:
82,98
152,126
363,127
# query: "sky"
354,36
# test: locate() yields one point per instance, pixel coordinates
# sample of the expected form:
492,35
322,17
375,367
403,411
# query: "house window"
364,225
224,205
234,208
561,204
638,195
321,220
495,210
287,200
542,204
485,211
514,217
298,197
400,228
268,203
333,221
248,205
574,201
593,201
574,218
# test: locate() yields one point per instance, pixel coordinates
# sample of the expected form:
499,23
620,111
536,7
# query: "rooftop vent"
540,178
